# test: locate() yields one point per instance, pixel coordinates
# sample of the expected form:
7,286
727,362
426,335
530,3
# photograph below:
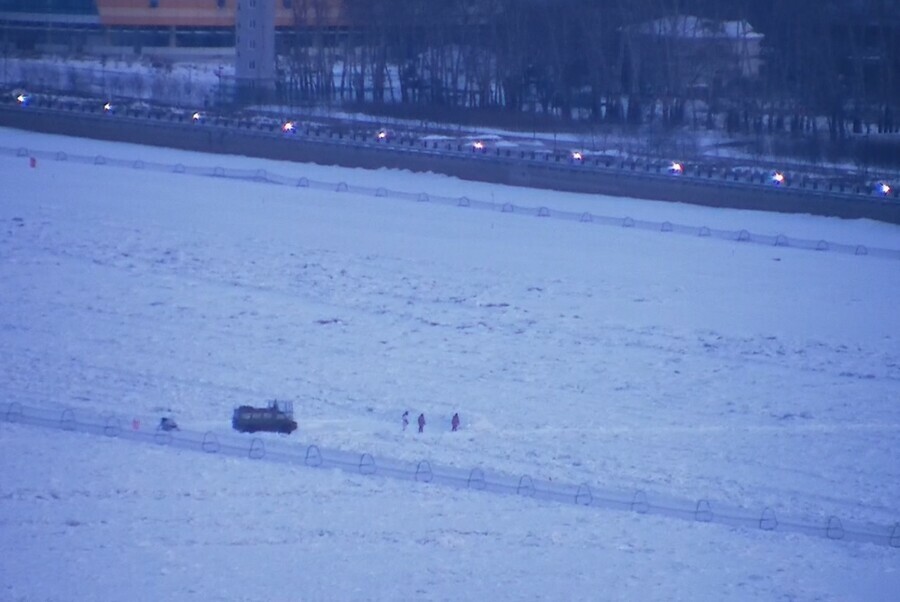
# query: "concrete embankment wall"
514,168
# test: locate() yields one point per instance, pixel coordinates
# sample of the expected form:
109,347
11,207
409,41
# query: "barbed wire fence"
475,479
265,176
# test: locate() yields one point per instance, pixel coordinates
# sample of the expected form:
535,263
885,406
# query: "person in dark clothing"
454,423
405,419
421,423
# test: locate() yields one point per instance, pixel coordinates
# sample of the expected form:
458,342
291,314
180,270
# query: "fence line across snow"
477,479
262,175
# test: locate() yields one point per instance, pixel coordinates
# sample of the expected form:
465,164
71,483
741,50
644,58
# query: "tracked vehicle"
276,417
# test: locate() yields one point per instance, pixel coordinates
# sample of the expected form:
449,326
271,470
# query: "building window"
287,3
154,3
220,3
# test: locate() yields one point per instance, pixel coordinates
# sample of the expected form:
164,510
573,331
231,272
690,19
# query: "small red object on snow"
32,162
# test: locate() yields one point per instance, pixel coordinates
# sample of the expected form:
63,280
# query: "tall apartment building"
254,41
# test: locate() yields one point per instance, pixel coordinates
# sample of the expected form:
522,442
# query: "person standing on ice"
454,423
405,419
421,423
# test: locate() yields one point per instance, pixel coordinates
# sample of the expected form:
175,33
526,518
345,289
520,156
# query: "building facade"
675,55
135,26
254,36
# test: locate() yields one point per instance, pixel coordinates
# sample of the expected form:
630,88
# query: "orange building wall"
204,13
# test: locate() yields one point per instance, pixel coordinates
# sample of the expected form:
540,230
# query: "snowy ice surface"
688,367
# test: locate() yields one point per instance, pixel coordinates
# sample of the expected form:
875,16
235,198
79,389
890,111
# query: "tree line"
832,64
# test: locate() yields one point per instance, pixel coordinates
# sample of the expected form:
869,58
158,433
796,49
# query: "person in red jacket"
421,423
454,423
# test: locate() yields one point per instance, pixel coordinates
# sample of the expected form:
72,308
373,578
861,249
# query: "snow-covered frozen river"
752,376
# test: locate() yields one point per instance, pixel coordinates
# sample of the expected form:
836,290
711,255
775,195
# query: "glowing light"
382,135
288,127
676,167
21,98
778,177
884,188
197,116
478,145
576,156
107,107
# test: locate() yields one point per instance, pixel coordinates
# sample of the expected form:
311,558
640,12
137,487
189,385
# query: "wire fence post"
257,449
584,496
423,472
834,530
639,502
476,479
210,443
768,522
526,486
703,512
313,456
366,464
112,427
67,420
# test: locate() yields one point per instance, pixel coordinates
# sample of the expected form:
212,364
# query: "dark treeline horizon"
601,62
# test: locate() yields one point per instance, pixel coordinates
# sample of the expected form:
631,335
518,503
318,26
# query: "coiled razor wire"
476,479
261,175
